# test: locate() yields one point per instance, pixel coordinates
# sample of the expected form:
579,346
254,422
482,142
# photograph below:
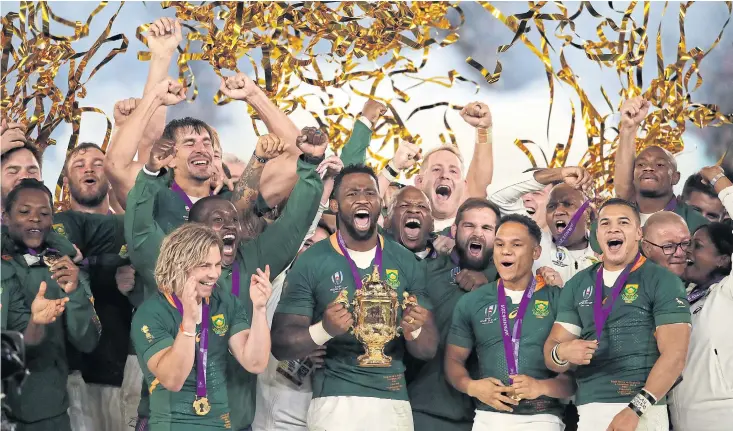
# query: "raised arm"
119,165
405,157
354,151
143,234
481,169
244,197
251,347
280,242
633,112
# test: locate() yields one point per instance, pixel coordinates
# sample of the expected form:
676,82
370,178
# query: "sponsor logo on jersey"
59,229
489,315
513,314
393,278
630,293
541,308
220,324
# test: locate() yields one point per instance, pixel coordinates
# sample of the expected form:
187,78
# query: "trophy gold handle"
406,301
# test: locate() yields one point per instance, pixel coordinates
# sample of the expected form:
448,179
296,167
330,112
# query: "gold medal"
50,259
201,406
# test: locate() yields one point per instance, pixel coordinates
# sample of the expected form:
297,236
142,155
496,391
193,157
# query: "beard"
91,200
469,262
348,226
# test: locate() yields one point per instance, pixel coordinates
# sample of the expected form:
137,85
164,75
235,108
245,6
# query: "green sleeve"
143,234
240,318
461,332
15,311
555,294
280,242
82,323
297,293
94,234
669,300
418,283
60,243
566,311
354,151
151,330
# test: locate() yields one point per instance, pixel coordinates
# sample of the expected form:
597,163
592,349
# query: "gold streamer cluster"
670,92
297,40
32,57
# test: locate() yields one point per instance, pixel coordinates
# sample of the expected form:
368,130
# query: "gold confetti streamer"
32,56
299,40
670,92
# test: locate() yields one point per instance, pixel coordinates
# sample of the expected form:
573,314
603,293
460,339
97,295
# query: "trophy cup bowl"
375,319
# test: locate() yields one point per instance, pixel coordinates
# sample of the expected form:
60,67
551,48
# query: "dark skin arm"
425,345
290,337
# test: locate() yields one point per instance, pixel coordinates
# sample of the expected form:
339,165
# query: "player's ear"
333,205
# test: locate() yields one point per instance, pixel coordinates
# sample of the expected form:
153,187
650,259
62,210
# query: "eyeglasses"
670,249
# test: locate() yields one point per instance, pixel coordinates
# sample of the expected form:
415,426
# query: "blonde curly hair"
183,249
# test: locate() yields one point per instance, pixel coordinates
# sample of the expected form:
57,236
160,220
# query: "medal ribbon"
572,224
511,342
202,353
235,278
701,290
352,265
179,191
601,313
671,205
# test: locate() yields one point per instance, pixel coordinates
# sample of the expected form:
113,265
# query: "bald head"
666,239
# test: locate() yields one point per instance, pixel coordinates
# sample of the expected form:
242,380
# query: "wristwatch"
716,179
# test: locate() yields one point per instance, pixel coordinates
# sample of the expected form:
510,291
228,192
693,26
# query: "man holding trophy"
356,280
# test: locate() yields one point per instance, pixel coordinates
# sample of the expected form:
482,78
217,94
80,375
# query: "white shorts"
359,414
493,421
597,416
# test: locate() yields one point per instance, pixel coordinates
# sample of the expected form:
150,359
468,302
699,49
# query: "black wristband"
260,159
391,170
311,160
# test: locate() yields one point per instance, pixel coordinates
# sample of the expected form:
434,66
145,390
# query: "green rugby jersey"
315,281
155,327
627,351
477,326
429,390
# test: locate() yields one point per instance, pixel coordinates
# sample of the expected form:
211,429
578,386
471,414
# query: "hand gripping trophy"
375,318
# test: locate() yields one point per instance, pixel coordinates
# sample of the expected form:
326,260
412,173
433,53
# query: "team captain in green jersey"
347,396
625,324
184,334
436,405
515,390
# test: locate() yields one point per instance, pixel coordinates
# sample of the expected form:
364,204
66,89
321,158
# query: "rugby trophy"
375,318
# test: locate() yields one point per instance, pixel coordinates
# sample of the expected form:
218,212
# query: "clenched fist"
161,154
269,146
477,114
312,142
164,35
337,319
406,156
237,87
13,136
123,110
633,112
170,92
373,110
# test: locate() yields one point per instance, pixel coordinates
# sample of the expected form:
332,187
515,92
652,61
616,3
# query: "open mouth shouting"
560,225
229,240
411,228
90,180
615,244
362,219
475,248
443,192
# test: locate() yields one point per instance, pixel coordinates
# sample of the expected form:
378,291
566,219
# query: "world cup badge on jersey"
541,308
220,325
454,273
337,278
490,315
630,293
587,293
559,258
393,278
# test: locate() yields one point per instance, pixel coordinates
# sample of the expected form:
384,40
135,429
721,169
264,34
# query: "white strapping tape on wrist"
319,334
416,333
